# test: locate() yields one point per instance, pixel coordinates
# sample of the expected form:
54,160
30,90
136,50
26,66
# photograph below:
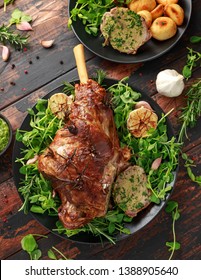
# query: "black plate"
142,219
151,50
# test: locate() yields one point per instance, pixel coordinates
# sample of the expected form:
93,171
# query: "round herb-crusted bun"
130,190
124,30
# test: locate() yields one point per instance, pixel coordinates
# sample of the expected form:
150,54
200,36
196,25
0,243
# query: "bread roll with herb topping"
130,190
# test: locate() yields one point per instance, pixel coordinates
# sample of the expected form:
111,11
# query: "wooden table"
32,73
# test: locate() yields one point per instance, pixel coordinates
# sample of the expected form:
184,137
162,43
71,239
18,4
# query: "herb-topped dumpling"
130,190
124,30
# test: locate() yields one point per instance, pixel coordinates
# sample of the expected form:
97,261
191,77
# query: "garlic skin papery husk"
170,83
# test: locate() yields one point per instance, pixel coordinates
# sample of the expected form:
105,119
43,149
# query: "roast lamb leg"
85,156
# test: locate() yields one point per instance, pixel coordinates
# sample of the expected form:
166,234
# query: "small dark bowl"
10,134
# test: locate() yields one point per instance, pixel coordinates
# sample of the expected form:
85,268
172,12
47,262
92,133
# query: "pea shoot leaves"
18,16
172,208
30,245
193,57
90,12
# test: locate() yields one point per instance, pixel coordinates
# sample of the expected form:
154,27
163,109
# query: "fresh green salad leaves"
37,191
123,100
90,12
146,150
107,226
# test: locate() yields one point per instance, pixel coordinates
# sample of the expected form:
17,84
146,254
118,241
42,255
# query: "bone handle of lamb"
80,62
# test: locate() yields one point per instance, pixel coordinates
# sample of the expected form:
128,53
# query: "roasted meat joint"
84,158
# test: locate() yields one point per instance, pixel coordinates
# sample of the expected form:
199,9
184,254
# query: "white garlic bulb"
169,83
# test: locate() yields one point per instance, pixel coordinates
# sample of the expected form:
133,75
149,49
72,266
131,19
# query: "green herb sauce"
4,134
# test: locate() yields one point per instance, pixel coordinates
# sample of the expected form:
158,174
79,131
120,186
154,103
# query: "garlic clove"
47,44
170,83
156,163
32,160
143,104
24,26
5,53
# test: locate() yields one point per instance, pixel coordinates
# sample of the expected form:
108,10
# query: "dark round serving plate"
142,219
149,51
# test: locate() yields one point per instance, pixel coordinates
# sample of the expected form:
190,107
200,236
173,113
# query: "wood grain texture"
49,68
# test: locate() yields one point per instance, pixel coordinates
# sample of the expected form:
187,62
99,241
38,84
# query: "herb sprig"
192,111
173,209
189,164
14,39
193,57
18,17
30,245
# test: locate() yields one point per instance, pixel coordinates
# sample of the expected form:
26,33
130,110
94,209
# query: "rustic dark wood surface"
49,68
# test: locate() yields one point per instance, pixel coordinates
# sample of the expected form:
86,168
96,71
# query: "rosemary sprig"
14,39
192,111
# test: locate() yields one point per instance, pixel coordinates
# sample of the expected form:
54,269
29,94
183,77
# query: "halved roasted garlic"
59,104
140,121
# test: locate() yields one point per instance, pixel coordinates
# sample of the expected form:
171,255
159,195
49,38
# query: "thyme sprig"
14,39
192,111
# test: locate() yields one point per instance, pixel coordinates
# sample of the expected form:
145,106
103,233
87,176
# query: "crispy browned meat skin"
84,158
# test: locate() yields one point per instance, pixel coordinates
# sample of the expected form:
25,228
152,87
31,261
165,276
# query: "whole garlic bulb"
169,83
